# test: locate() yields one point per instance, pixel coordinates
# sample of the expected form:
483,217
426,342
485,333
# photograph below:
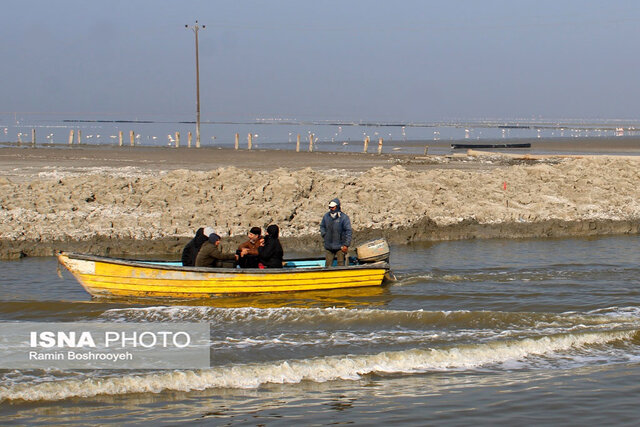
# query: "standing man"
336,232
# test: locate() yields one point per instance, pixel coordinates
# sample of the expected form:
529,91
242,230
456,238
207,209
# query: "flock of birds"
338,136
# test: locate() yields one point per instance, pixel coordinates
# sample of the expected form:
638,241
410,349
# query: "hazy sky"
344,60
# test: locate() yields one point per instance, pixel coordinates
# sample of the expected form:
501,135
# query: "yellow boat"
116,277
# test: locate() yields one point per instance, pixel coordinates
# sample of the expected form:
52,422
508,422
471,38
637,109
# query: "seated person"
211,255
247,253
190,251
270,250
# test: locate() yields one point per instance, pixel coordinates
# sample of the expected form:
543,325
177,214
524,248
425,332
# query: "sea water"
472,332
282,133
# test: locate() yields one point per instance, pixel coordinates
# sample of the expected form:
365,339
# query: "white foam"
324,339
253,318
244,314
412,279
317,369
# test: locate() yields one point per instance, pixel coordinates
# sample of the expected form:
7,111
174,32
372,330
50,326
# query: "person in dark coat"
270,251
336,231
248,251
211,255
190,251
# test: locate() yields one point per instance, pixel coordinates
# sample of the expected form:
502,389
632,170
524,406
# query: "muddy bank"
171,247
140,210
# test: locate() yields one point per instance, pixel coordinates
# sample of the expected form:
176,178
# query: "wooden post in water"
426,149
177,139
120,139
249,141
71,137
298,144
189,139
237,141
79,137
311,143
366,144
132,138
380,146
33,137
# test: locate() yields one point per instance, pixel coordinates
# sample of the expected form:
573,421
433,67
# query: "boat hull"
102,276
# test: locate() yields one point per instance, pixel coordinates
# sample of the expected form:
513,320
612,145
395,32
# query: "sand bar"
131,201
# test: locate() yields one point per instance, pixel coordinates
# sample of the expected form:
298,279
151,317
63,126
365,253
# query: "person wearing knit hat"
208,231
211,254
247,253
336,232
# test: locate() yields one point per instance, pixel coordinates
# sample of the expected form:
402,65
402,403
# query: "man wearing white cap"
335,228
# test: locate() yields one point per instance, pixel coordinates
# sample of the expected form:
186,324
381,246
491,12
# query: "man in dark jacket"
211,255
190,251
270,251
335,228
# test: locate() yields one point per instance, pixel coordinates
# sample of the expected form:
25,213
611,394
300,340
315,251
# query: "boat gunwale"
378,265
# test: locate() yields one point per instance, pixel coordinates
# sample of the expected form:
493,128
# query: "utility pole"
195,29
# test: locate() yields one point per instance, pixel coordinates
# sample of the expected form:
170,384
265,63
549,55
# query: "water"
271,133
473,332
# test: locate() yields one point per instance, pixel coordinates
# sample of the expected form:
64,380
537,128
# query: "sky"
401,60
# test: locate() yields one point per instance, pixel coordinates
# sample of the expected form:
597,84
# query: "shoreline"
171,247
149,201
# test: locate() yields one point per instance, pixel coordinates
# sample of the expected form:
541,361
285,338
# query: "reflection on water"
371,296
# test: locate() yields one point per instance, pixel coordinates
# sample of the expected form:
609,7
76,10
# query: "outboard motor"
373,251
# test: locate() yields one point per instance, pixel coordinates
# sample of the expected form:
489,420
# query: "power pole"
195,29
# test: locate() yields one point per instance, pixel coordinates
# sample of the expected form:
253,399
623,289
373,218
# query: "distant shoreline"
43,157
628,145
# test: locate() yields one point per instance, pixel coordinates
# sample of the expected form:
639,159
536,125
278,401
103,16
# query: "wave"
322,339
378,319
411,279
502,275
321,369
